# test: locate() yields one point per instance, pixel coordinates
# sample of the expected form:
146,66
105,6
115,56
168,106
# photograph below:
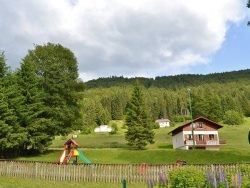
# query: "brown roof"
178,129
69,141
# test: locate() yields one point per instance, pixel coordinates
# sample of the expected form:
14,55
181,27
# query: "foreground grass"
14,182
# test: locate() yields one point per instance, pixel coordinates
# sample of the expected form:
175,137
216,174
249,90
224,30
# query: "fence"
106,173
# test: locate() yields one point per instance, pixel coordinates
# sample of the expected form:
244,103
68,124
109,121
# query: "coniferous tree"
227,103
139,127
4,69
16,106
5,112
32,116
12,135
88,113
116,108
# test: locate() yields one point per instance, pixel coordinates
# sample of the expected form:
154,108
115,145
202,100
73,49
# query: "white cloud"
120,37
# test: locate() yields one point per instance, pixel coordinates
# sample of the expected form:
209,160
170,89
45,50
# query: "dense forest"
215,96
172,82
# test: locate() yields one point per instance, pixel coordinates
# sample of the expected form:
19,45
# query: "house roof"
162,120
69,141
178,129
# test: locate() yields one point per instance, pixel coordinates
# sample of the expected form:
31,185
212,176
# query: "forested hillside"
172,82
215,96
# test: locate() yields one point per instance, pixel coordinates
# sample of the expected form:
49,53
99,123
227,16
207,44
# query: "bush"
245,182
114,128
187,177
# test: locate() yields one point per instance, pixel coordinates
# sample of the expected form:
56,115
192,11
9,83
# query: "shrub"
114,128
245,182
187,177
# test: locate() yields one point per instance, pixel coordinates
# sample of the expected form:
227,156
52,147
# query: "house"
103,129
163,122
205,134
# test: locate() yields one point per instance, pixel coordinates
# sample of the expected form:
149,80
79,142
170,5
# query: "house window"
200,125
211,137
201,137
190,137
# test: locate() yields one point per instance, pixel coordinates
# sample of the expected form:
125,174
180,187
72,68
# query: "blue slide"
85,159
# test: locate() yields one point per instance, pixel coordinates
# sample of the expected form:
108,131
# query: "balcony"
189,142
201,142
212,142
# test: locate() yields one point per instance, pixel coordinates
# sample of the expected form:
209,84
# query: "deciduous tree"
57,71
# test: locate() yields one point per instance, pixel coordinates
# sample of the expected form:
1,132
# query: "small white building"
103,129
163,122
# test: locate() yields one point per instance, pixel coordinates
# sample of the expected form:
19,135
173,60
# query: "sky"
131,38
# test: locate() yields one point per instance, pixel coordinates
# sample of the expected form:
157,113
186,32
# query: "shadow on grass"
166,146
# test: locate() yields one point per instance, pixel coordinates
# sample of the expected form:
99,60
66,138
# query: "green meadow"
112,149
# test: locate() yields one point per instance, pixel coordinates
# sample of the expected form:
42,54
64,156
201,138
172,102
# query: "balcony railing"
190,142
212,142
200,142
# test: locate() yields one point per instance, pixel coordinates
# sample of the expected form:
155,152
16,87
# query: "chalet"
103,129
205,134
163,122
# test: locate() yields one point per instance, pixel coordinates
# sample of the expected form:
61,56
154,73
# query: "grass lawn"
14,182
112,149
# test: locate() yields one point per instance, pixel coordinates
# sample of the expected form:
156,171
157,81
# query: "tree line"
171,82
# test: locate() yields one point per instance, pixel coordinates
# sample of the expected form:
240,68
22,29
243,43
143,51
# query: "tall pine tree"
12,135
32,115
139,127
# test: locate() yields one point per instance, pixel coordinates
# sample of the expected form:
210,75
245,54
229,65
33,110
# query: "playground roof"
70,141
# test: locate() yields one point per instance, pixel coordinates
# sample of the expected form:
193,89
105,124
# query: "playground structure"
71,153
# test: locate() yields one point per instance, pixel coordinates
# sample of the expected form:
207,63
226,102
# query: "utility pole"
191,115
